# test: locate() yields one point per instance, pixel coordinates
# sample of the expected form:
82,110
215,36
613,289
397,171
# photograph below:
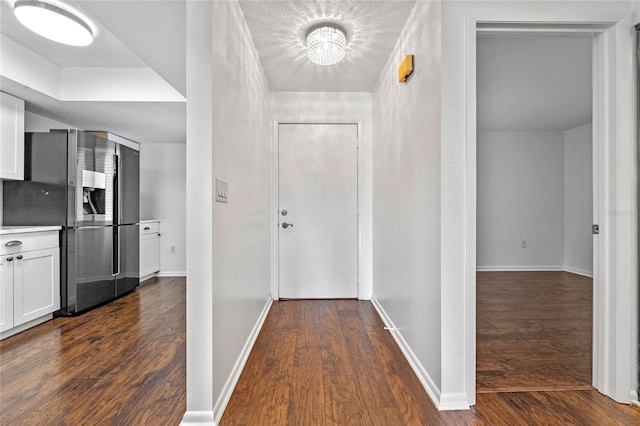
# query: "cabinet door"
149,254
36,284
11,137
6,292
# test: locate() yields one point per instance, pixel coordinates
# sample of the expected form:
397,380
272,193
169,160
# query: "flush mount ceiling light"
325,45
53,22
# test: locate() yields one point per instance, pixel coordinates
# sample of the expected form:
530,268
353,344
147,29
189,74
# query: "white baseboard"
520,268
172,273
428,384
22,327
564,268
229,386
579,271
199,418
453,401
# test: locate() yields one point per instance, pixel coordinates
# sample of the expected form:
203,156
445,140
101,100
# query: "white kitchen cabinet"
149,248
30,272
11,137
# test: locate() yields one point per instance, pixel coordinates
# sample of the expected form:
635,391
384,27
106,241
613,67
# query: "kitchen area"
86,215
93,216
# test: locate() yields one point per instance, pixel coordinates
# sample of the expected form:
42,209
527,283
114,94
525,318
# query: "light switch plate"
222,191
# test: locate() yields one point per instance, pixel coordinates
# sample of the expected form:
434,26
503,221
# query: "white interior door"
318,211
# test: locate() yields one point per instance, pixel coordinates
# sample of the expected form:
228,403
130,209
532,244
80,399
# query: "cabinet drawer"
29,241
149,228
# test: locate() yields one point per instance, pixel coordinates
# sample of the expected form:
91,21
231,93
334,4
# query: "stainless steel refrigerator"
89,185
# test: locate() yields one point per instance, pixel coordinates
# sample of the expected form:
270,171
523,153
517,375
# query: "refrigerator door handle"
116,189
115,252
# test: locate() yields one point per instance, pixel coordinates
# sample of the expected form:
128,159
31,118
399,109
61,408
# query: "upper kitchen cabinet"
11,137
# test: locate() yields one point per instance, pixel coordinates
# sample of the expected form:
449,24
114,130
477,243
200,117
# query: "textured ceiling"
534,82
279,29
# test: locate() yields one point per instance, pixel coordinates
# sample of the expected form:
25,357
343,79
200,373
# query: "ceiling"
534,82
132,79
279,30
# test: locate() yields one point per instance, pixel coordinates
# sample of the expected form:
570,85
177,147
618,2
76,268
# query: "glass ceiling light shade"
53,22
325,45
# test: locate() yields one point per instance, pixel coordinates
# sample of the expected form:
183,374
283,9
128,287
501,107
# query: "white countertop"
5,230
149,221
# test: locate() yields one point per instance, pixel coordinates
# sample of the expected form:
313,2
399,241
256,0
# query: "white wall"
229,245
535,186
330,107
520,198
37,123
242,227
163,183
406,193
578,200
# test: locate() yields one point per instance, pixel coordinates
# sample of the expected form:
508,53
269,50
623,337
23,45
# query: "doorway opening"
534,300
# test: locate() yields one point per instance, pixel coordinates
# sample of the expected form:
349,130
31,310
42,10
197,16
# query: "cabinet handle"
13,243
146,228
9,259
19,257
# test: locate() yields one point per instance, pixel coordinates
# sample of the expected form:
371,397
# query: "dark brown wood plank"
533,331
352,329
122,362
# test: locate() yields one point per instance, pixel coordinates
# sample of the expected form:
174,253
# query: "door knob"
285,225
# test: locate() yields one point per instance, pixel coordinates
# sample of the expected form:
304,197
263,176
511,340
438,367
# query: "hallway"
330,362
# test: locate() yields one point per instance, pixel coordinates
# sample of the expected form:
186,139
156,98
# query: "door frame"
364,287
615,249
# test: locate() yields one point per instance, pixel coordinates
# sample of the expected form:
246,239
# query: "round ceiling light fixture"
326,44
53,22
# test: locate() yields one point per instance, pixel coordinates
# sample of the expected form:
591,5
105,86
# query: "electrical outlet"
524,244
173,249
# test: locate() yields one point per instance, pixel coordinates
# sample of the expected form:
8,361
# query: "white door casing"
318,189
614,107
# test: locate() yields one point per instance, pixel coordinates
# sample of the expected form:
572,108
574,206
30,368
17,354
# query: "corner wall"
406,195
162,196
520,199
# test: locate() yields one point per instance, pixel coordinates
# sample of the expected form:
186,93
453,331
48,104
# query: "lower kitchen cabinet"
149,248
30,286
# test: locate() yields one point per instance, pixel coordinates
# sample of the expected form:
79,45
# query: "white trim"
428,383
232,380
199,418
364,285
578,271
536,268
516,268
25,326
615,251
172,274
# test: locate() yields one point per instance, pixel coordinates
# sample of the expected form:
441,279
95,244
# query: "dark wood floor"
314,363
120,364
533,331
332,363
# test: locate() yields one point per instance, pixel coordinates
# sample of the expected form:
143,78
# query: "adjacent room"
535,210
